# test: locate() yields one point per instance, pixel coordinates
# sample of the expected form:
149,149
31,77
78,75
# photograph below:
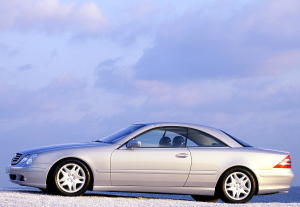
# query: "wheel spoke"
65,183
70,186
74,168
236,178
79,181
244,187
62,179
234,192
65,169
232,179
77,171
243,191
229,184
231,189
74,186
243,178
80,177
238,193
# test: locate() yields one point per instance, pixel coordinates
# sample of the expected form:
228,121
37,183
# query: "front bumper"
34,176
275,180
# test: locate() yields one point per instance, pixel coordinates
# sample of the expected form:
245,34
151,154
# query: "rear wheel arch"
53,167
237,167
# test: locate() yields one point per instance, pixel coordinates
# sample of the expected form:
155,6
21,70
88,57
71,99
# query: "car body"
195,163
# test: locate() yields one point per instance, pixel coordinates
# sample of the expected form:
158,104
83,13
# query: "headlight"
28,159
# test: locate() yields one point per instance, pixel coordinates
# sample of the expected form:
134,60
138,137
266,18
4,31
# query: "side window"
198,138
150,138
165,137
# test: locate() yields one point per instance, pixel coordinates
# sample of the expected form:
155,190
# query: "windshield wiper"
99,141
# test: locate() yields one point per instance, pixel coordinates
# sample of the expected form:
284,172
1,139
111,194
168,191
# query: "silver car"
176,158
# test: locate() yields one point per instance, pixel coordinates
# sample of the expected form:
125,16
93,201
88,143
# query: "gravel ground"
30,197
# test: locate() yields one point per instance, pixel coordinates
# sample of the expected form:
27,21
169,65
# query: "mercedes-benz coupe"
175,158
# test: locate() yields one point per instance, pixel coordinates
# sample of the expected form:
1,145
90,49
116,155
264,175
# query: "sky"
74,71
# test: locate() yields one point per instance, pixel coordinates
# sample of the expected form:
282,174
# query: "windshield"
241,142
120,134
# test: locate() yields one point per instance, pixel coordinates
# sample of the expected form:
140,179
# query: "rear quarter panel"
208,164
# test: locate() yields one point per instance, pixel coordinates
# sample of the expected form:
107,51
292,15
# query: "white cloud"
51,16
201,44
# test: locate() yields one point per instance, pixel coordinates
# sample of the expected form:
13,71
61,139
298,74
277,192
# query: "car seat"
178,141
165,142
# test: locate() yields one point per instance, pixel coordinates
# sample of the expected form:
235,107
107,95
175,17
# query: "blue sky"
73,71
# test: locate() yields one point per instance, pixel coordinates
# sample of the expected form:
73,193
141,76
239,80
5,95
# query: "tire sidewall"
86,171
224,195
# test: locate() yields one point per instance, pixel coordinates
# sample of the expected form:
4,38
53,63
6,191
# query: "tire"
70,177
202,198
237,186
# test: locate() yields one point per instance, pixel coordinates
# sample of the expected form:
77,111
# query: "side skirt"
169,190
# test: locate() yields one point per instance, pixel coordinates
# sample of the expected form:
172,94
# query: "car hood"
61,147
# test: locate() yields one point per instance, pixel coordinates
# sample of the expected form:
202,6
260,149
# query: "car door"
162,159
208,154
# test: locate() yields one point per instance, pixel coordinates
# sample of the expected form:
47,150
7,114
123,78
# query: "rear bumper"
34,176
274,181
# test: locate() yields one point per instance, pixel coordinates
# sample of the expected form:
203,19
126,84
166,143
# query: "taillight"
285,163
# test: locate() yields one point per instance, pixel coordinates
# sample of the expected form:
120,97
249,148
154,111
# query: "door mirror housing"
133,144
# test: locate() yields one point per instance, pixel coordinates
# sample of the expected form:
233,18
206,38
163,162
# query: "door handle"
182,155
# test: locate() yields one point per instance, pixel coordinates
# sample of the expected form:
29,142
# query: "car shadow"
292,197
139,195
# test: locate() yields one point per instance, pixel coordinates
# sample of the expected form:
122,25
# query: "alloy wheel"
71,178
237,186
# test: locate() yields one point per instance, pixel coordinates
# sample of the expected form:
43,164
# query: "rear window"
198,138
241,142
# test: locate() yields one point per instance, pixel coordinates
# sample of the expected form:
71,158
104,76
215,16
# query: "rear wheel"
71,178
202,198
237,186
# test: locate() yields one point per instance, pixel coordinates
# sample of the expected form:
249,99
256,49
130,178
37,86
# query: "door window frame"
186,128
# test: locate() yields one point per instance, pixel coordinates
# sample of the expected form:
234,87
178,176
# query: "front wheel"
237,186
71,177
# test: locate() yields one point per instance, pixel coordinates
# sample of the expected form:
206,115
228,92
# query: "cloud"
51,16
201,45
18,103
113,76
25,67
7,50
66,99
138,19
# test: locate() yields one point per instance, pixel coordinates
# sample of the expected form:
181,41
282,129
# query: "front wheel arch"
51,171
236,166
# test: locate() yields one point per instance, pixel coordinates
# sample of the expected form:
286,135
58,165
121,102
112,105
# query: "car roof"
179,124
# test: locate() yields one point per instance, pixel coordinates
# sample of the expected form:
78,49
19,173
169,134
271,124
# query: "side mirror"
133,144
